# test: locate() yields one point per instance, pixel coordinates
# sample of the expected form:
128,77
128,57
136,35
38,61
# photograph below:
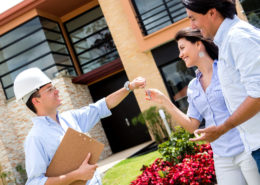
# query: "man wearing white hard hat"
36,90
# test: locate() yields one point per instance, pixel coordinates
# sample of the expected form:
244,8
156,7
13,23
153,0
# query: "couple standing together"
225,92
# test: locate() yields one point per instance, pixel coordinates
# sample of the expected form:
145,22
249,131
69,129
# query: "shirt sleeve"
245,48
89,115
192,110
36,161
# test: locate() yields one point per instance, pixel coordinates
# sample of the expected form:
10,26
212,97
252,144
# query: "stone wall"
15,122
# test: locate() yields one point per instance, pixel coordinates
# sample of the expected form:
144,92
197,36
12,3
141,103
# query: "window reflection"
177,78
92,41
36,43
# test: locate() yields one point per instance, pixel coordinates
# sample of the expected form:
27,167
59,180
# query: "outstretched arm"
186,122
245,111
115,98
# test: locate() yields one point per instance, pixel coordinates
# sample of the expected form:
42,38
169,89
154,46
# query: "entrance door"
120,132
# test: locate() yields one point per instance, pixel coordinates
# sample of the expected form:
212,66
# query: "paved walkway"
109,162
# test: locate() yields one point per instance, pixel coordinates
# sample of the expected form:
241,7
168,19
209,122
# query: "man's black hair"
227,8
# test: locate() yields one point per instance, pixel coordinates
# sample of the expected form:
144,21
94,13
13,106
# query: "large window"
174,72
177,78
153,15
252,11
36,43
91,40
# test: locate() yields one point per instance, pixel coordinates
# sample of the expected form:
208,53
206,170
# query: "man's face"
49,97
202,22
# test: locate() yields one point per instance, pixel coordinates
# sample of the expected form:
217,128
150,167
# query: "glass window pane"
154,29
156,19
146,5
9,92
53,36
41,55
157,14
56,70
99,62
88,30
62,59
153,12
158,24
92,54
177,78
41,63
24,58
93,41
20,32
60,48
84,19
22,45
49,24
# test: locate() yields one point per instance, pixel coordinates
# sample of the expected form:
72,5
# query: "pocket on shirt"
217,99
199,102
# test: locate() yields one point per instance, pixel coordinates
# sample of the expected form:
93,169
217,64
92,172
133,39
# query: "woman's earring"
201,54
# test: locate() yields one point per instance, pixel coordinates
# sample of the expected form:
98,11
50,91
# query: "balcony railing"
156,16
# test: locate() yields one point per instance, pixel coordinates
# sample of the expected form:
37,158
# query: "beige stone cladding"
15,122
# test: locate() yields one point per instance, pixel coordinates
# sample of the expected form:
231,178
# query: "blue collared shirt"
46,135
210,105
239,72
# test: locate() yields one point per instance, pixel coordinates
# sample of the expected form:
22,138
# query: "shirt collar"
223,29
198,73
44,119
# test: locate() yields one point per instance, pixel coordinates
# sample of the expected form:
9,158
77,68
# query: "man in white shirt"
238,68
36,90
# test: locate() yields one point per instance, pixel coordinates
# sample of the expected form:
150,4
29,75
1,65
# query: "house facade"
89,48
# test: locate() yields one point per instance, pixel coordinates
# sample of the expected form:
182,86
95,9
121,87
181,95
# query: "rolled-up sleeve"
246,52
36,161
88,116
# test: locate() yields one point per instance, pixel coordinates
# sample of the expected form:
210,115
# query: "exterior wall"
134,48
136,62
15,122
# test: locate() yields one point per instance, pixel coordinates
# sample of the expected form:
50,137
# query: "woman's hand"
155,95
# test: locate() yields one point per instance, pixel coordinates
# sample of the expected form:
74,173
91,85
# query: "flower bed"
195,169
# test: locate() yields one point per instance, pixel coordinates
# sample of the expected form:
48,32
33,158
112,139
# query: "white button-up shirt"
239,72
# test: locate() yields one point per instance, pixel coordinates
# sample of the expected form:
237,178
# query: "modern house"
90,48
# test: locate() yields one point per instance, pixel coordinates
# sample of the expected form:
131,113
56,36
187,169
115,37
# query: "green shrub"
175,149
152,119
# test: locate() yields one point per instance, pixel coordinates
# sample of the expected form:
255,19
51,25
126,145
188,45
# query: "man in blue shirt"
238,68
35,89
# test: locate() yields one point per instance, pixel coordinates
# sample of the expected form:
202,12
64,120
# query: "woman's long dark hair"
194,35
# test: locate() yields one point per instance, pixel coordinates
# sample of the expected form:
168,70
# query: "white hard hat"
29,81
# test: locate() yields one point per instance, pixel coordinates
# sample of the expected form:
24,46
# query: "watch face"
126,85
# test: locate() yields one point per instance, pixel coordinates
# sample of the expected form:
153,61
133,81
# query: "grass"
127,170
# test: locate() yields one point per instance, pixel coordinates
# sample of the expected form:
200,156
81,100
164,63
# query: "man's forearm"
63,179
248,108
115,98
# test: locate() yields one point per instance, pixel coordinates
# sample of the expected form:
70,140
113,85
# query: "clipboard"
71,152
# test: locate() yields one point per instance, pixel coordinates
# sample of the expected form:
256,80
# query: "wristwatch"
126,86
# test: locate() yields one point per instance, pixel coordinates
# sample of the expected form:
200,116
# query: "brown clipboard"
71,152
